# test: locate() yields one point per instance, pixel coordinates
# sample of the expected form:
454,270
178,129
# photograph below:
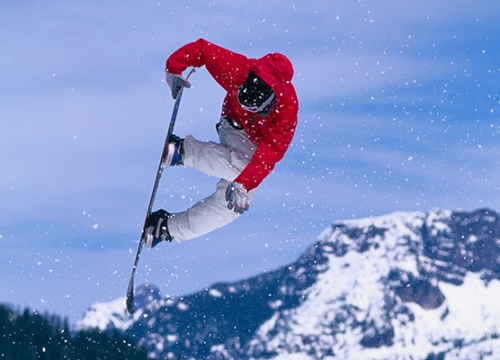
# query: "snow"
104,315
275,304
469,311
350,297
464,320
215,293
293,357
353,280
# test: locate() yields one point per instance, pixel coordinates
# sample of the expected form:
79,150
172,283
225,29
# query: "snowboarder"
257,124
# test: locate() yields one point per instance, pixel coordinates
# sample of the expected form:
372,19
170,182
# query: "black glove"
175,82
237,197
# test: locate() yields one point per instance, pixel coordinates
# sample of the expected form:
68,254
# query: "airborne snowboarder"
257,125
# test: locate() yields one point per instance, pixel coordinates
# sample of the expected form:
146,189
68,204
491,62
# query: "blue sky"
399,111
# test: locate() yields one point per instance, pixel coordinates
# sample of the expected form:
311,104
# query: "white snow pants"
225,160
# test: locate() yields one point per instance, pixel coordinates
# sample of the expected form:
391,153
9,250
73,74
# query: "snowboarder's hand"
237,197
175,82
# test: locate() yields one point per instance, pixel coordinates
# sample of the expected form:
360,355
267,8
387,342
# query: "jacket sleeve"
224,65
272,147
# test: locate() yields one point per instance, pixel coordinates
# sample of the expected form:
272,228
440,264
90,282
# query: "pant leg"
204,216
226,161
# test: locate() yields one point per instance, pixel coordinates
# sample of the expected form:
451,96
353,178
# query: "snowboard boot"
156,229
172,154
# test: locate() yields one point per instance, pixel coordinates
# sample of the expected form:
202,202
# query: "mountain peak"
404,286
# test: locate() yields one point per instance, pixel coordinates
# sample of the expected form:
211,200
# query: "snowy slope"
390,292
113,314
401,286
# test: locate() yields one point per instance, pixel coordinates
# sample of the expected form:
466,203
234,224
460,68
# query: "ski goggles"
266,106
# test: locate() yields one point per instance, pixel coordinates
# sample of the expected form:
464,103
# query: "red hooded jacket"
272,134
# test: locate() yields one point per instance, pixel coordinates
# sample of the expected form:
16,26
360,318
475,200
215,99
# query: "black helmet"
255,95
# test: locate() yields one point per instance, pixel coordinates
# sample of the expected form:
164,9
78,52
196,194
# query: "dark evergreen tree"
28,335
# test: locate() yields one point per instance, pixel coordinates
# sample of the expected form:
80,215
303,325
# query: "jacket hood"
276,70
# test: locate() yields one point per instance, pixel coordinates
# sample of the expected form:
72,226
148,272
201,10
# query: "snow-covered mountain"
402,286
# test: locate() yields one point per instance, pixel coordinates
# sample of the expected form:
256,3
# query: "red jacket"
272,134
